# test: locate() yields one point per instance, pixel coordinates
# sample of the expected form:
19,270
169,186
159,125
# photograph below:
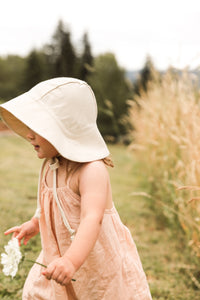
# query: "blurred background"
142,59
114,46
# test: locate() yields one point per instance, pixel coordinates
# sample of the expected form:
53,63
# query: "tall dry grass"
166,142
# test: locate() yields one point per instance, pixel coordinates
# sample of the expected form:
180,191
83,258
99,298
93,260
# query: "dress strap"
54,165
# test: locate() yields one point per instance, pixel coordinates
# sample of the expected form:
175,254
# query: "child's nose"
30,135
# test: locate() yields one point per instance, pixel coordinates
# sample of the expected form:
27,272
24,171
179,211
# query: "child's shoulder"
93,176
94,165
95,168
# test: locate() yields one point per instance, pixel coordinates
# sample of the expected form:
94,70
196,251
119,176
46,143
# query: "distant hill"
132,75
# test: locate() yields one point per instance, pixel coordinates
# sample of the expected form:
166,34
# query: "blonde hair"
108,161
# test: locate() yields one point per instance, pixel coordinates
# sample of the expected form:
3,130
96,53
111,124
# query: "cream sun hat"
64,112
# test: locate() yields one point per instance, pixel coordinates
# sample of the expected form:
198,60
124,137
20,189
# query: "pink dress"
113,269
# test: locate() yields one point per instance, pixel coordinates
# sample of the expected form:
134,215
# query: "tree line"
61,58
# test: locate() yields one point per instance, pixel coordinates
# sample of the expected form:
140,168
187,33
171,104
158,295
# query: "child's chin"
40,155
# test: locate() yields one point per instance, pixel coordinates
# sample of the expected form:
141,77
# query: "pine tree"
86,60
63,56
147,75
34,72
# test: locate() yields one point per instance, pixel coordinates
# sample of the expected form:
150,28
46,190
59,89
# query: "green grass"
18,185
170,269
168,266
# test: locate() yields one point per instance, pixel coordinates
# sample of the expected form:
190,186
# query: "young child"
89,253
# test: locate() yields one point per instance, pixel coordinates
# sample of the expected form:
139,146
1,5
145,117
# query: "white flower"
11,258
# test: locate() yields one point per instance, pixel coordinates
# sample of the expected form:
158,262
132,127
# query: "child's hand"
27,230
61,270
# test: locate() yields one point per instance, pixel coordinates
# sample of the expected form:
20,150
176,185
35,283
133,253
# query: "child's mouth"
36,147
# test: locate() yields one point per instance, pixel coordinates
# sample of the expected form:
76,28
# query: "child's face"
43,148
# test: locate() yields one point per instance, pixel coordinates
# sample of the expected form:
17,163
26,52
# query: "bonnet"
64,112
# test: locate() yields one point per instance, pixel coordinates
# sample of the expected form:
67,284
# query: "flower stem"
35,262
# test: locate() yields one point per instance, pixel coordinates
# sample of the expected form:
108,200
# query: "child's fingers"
49,271
20,235
11,230
26,239
17,233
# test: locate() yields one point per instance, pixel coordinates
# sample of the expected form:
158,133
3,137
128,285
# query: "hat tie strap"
38,210
54,165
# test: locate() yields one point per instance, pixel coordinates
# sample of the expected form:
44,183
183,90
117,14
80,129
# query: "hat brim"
18,115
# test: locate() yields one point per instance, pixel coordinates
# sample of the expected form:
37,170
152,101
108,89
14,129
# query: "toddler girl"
89,253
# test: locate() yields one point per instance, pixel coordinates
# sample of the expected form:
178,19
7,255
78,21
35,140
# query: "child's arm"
25,231
93,187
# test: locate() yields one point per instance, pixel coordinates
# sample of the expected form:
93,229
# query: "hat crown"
63,111
69,101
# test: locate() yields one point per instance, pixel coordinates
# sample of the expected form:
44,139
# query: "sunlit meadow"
166,141
161,255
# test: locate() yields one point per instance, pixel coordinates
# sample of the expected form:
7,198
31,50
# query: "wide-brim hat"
64,112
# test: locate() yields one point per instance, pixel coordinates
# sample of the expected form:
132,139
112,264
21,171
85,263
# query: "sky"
166,30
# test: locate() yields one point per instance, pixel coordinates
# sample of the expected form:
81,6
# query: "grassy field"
168,266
